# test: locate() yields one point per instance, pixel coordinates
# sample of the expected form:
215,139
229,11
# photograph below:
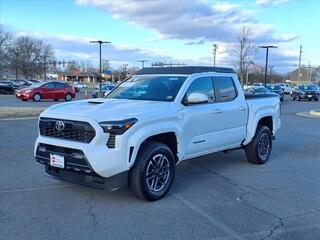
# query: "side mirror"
196,98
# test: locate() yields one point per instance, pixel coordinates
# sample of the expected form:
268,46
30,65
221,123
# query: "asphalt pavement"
220,196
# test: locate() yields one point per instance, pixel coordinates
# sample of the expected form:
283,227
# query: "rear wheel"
259,149
37,97
153,173
68,97
316,99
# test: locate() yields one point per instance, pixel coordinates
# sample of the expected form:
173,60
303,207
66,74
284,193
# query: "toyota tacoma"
151,122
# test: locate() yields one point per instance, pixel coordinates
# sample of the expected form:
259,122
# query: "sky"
169,30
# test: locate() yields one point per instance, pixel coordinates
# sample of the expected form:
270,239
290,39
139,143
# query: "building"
307,75
81,76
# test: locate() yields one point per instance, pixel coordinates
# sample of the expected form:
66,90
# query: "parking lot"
219,196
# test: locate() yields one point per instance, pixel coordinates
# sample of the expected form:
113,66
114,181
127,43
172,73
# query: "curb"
18,118
315,113
308,115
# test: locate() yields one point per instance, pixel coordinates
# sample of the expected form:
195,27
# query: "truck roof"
184,70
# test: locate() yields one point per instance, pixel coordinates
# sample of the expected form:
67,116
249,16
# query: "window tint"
225,88
59,85
50,85
202,85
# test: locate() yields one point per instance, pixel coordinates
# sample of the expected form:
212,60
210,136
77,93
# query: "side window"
50,85
59,85
202,85
225,88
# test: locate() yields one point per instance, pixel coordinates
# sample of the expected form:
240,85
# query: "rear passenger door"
232,110
59,90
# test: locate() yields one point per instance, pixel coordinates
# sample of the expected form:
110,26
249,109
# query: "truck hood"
108,109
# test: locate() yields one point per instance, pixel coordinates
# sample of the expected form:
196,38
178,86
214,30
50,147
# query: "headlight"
118,127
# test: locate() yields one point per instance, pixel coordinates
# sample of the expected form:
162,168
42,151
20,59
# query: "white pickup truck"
150,123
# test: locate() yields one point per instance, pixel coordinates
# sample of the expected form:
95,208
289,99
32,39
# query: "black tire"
281,99
256,153
309,99
147,162
68,97
293,98
316,99
299,98
37,97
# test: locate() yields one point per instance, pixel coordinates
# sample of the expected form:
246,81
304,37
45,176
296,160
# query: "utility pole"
299,71
142,62
215,46
100,69
125,70
309,71
271,67
267,56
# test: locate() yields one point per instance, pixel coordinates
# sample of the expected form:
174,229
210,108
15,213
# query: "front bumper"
77,169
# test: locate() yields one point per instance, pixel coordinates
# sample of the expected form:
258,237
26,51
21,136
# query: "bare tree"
30,56
245,52
5,42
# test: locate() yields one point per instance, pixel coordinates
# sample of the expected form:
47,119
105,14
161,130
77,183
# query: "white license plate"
56,160
310,96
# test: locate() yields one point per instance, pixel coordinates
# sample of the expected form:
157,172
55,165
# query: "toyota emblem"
59,125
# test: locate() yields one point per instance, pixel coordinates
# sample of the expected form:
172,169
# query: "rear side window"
225,88
202,85
59,85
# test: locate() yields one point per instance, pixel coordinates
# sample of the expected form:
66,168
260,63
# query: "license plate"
56,160
310,96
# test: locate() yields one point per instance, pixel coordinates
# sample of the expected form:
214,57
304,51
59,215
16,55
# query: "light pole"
100,70
142,62
215,46
267,55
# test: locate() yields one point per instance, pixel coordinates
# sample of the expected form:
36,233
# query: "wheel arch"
170,137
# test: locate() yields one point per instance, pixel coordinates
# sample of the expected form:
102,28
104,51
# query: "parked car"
150,123
258,85
105,90
33,81
310,91
8,87
47,90
79,85
257,90
23,83
286,88
276,88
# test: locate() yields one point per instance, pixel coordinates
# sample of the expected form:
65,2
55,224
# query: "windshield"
261,90
274,87
35,85
311,87
154,88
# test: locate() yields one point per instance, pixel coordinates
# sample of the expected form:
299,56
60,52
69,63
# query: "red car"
47,90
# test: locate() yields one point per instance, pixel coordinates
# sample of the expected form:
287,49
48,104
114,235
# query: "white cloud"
271,2
190,20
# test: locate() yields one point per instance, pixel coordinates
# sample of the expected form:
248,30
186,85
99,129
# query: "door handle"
216,111
242,108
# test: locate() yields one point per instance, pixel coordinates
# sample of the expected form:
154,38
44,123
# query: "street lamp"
100,70
267,55
142,62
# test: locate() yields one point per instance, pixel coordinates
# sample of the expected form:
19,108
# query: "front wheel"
152,174
259,149
37,97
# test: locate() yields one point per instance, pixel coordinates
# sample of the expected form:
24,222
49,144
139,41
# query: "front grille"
72,158
73,130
